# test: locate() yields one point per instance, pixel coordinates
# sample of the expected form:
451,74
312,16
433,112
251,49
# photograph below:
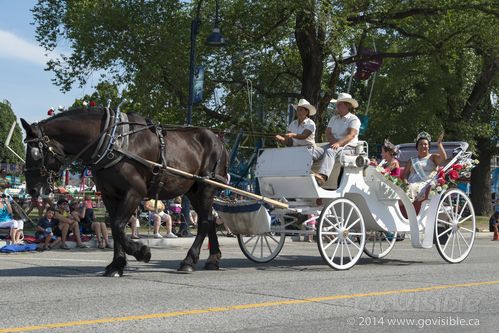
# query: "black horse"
127,155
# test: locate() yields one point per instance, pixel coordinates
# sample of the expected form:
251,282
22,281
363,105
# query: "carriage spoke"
254,246
465,219
457,204
330,243
464,239
343,213
349,215
353,243
349,253
445,231
341,257
445,222
458,244
272,237
261,246
446,243
468,230
354,223
444,208
335,250
249,240
462,210
334,225
452,248
338,223
450,205
268,245
355,233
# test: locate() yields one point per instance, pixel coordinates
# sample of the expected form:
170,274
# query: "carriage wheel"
379,244
455,226
341,235
263,248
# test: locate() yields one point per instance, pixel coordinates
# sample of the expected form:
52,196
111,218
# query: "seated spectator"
421,169
89,216
44,230
494,225
158,216
134,225
193,217
67,223
99,229
6,220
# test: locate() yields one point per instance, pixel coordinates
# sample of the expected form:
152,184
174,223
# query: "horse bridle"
43,147
39,152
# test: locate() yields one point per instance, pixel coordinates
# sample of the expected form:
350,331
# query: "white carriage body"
364,207
286,173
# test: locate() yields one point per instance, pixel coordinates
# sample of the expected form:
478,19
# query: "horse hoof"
186,269
144,254
113,273
211,266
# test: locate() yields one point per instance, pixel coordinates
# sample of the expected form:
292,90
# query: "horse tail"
221,170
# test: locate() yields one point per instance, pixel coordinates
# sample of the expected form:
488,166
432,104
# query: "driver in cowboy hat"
341,133
301,131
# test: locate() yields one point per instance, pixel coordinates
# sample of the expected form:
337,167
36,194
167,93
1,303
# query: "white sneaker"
157,235
171,235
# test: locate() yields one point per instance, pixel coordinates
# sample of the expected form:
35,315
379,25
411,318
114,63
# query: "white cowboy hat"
347,98
305,104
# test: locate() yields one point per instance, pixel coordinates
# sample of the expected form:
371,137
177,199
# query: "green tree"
284,50
7,117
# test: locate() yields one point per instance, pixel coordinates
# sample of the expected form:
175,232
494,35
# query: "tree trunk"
309,39
480,179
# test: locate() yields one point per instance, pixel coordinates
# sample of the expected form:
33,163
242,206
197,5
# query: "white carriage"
363,213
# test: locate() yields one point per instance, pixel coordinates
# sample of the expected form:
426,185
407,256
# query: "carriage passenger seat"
334,179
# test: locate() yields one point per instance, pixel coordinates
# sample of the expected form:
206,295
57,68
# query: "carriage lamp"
215,39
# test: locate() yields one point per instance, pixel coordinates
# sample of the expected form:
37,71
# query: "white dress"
423,169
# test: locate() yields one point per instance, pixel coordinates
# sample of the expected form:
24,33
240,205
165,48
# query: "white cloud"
14,47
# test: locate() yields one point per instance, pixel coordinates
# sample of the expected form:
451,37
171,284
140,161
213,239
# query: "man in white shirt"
301,131
341,133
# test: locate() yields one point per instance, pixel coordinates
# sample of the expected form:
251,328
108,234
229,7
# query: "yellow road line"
242,307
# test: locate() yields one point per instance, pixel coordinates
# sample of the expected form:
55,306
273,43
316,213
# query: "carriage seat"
334,179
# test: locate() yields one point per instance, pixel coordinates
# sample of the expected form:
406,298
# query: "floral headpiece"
390,146
423,135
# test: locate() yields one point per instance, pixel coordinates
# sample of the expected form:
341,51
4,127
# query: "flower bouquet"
460,171
397,181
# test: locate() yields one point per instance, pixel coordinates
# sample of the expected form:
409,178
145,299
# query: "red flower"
50,112
92,104
457,167
441,174
441,181
453,174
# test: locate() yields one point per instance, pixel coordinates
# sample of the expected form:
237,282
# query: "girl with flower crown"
389,163
420,170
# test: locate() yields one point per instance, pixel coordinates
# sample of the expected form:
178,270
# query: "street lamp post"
214,39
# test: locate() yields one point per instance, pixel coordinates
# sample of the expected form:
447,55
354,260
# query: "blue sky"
23,81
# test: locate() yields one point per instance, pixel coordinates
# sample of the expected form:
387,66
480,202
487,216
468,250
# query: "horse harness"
112,146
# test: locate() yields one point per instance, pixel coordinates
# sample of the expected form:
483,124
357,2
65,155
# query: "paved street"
409,290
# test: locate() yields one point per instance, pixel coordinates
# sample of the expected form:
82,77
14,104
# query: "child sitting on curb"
44,230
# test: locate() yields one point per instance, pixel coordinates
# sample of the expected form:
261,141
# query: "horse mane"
73,111
82,110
